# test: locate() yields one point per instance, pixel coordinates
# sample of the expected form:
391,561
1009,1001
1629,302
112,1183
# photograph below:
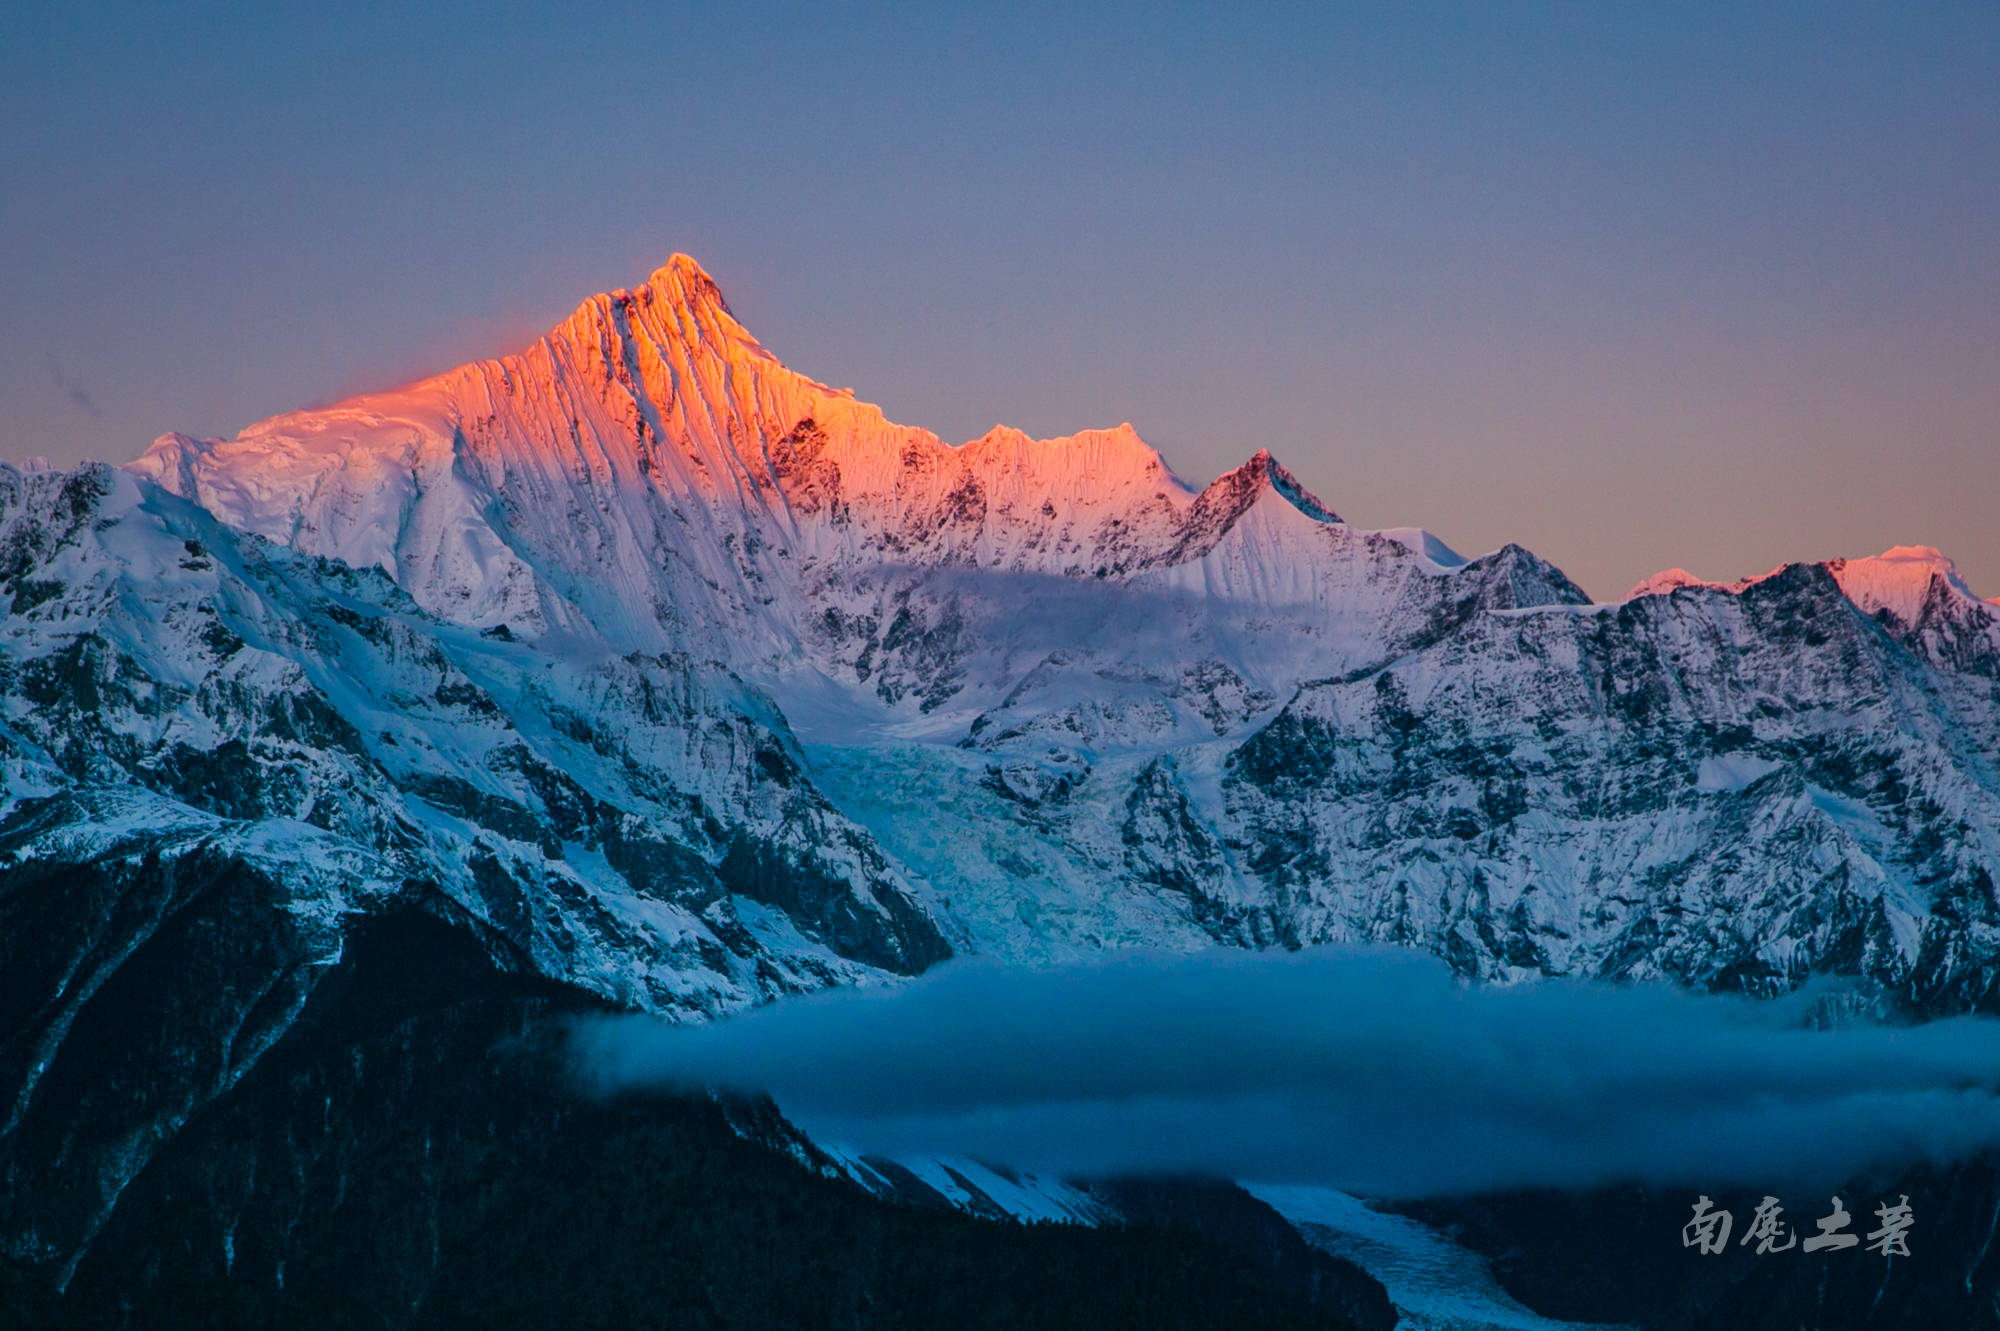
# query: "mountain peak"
1916,554
683,281
1264,470
1672,580
1901,580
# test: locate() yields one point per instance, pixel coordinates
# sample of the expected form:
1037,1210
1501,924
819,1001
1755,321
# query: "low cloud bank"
1366,1069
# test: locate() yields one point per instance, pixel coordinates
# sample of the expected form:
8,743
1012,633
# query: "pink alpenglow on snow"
1910,583
543,489
646,475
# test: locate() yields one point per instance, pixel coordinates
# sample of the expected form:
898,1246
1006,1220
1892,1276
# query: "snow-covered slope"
625,818
1076,702
1436,1284
649,475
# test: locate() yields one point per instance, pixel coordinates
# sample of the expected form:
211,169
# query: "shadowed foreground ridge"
409,1154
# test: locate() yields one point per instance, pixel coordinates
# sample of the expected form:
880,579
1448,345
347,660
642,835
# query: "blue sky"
1634,285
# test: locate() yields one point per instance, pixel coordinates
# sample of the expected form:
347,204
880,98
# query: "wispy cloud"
1371,1070
79,396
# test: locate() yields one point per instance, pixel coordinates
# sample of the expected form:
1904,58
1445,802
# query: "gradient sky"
1634,285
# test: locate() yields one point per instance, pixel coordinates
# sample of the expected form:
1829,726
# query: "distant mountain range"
671,677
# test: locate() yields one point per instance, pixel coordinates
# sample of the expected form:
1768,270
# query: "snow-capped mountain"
689,681
1014,695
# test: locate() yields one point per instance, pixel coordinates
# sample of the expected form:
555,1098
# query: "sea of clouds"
1370,1070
